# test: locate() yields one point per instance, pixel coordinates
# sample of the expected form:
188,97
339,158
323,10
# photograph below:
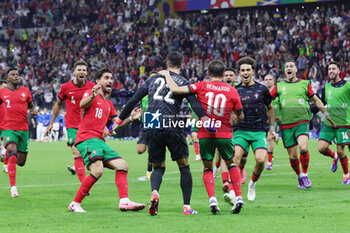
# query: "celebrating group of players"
233,120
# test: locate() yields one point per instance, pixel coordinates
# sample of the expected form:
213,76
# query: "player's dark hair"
9,70
334,63
174,59
100,73
230,69
246,60
291,60
81,63
216,68
151,73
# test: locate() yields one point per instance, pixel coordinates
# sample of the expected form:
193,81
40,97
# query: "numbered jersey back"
161,98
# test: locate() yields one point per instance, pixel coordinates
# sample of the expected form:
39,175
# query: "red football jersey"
72,95
95,118
2,115
218,100
15,104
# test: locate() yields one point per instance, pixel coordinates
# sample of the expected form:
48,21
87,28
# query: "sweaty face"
106,82
229,78
80,73
333,71
269,81
246,72
13,77
290,70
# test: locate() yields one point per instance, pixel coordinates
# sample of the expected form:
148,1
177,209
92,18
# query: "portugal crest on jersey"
23,96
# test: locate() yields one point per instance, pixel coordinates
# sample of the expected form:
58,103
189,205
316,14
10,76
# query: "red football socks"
330,153
79,168
85,187
6,161
255,177
224,176
269,157
304,159
295,165
196,148
12,162
345,165
209,182
122,183
235,175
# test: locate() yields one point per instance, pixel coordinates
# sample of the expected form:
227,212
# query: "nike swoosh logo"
98,103
72,92
6,96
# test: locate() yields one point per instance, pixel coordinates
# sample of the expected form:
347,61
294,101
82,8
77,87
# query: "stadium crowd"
122,36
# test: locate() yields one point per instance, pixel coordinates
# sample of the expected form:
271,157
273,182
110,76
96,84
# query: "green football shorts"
71,135
342,135
245,139
207,148
289,136
21,138
96,149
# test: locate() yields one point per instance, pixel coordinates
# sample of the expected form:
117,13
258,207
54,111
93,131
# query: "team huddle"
247,115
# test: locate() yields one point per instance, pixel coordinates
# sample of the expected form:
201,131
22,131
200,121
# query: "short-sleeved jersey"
218,100
95,118
2,116
15,108
294,102
254,100
337,97
72,95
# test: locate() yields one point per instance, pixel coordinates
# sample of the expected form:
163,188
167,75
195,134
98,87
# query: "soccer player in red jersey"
16,100
3,154
98,109
219,101
71,94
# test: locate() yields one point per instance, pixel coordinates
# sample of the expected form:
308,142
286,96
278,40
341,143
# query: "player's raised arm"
322,108
85,102
55,111
172,85
140,93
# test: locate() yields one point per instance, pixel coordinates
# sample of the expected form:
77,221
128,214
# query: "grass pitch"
46,188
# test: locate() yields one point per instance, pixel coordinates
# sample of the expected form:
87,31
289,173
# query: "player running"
92,146
270,83
162,104
251,132
337,98
16,100
294,95
219,100
71,94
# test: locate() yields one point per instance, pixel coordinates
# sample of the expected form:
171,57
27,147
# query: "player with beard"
16,100
270,83
71,94
337,98
251,132
98,109
294,95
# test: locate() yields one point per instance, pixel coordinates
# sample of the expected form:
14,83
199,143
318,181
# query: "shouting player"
92,146
166,106
252,130
71,93
294,95
337,98
16,100
219,100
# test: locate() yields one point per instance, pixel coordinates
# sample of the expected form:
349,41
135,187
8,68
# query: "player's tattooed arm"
85,103
271,117
172,85
322,108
